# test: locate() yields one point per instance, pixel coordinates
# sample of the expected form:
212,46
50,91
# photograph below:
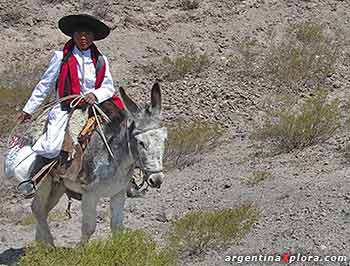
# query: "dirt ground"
304,203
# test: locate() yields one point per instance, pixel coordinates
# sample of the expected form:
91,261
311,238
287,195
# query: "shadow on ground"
11,256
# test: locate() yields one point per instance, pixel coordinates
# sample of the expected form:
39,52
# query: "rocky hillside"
144,32
236,67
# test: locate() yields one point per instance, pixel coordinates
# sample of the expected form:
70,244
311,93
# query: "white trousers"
50,143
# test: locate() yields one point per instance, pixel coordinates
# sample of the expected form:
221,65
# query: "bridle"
145,172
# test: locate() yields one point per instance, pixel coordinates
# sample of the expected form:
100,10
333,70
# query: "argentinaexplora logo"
285,257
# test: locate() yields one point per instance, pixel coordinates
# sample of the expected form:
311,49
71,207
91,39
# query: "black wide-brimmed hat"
70,24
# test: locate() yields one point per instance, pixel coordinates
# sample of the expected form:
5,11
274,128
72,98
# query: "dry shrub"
16,84
297,125
13,16
256,178
54,216
245,62
126,248
53,1
188,140
188,62
189,4
305,57
346,129
21,75
200,231
99,8
11,102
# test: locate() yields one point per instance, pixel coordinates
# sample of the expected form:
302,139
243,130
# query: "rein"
75,102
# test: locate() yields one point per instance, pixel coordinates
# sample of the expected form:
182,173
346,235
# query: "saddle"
69,163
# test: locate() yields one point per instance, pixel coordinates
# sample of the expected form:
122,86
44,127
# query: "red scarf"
68,81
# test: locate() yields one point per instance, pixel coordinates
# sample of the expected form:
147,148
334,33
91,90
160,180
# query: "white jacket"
87,81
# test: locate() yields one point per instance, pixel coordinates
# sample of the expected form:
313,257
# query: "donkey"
136,139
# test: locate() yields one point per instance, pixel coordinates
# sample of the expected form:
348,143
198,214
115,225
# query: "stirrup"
26,195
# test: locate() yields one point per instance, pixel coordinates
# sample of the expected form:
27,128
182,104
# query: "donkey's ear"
130,105
156,99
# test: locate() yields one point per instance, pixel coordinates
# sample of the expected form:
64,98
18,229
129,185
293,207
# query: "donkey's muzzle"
155,180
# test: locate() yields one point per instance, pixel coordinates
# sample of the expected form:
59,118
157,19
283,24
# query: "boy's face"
83,39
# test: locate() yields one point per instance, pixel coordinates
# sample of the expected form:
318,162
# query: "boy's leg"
49,145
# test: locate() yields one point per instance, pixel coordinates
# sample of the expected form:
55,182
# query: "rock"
227,185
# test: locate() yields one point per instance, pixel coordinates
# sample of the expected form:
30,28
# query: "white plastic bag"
19,159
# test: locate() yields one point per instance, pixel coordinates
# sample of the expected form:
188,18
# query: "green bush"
297,125
126,248
200,231
187,140
306,56
183,63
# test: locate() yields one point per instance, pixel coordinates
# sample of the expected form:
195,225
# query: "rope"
47,107
74,103
102,134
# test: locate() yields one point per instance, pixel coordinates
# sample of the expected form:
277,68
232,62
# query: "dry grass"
11,102
305,57
183,63
300,124
189,4
302,59
16,84
13,16
187,141
54,216
256,178
246,62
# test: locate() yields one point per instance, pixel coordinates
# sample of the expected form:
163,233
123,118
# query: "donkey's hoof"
134,192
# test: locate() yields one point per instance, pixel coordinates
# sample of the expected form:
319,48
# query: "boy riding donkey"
78,69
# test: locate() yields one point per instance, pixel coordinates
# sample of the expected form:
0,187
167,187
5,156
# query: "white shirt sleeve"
106,90
45,85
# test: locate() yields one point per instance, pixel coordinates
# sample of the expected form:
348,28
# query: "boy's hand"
24,118
90,98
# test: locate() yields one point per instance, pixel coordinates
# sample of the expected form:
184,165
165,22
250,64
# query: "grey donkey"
136,139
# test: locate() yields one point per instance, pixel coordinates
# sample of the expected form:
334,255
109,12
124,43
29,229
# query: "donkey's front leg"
117,210
88,206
